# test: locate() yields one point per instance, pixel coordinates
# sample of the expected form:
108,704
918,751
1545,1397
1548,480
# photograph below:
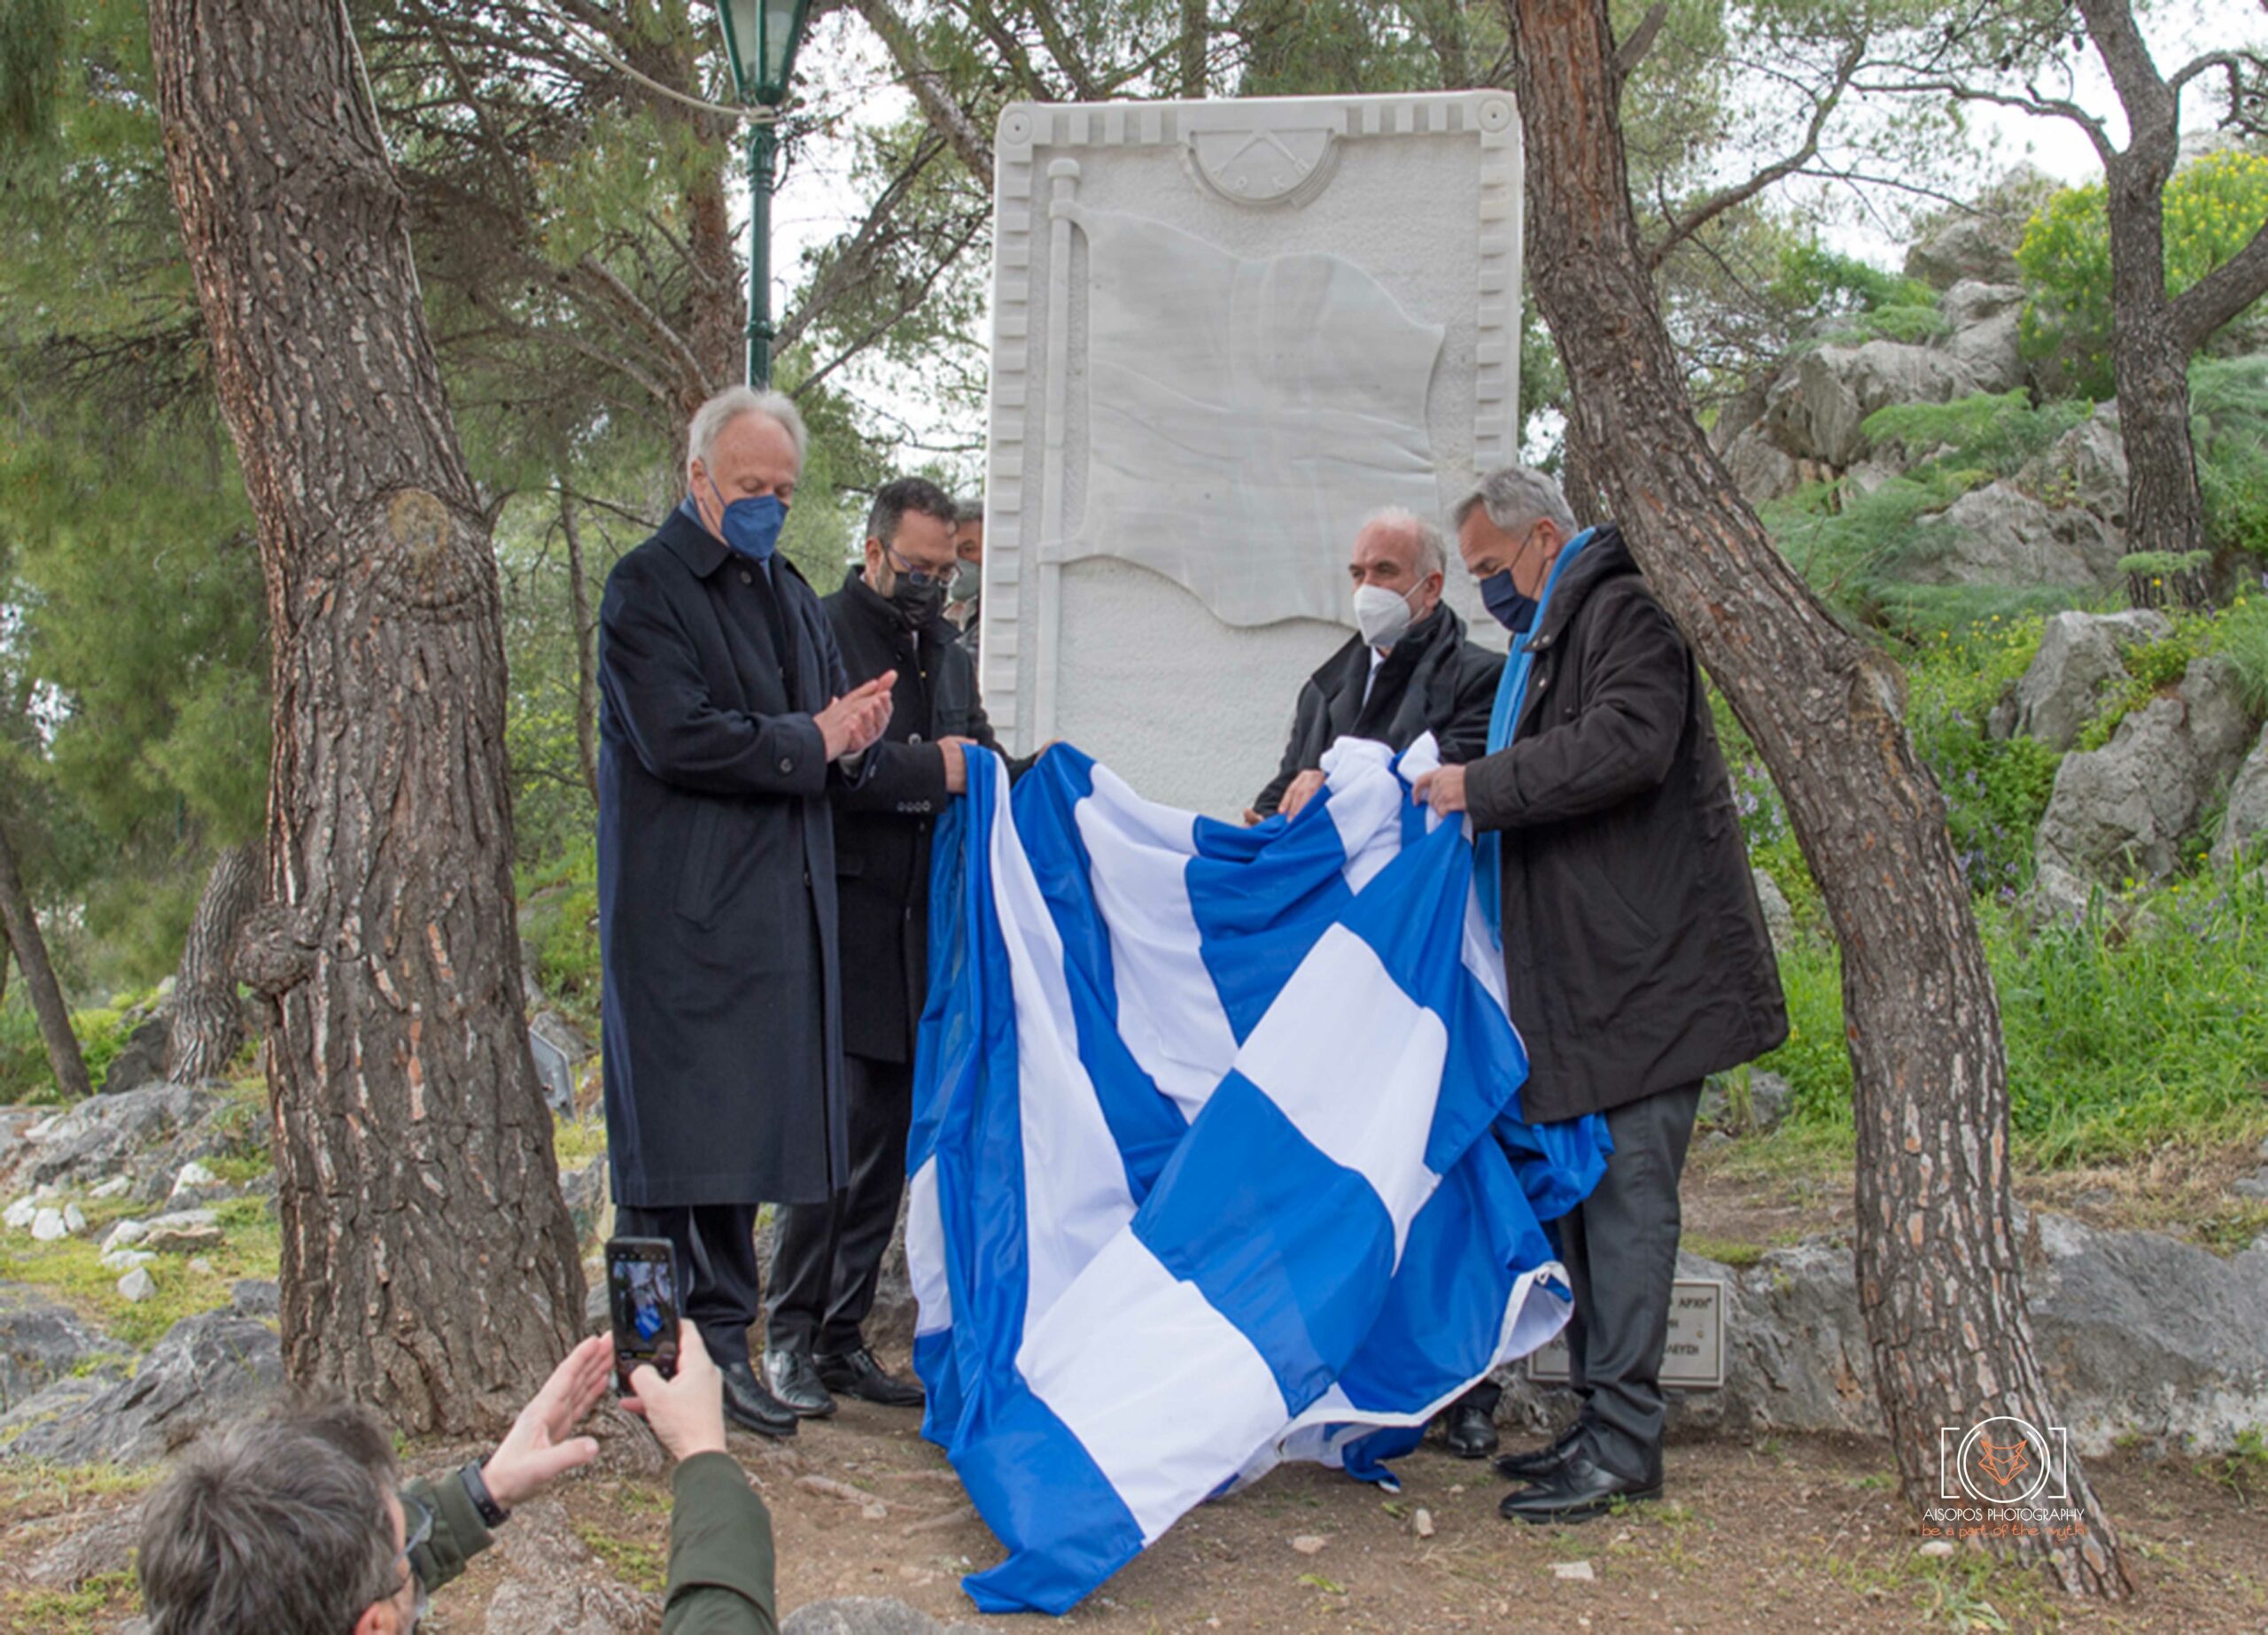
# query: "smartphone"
642,1295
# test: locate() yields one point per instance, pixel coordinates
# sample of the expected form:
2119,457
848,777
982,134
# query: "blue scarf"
1503,723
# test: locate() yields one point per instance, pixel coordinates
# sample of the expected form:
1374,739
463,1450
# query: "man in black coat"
724,719
1407,671
888,619
1635,958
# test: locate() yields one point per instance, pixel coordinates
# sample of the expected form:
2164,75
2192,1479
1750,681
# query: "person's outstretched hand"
686,1413
858,718
539,1448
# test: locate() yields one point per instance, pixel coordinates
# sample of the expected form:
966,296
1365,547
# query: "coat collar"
1604,558
701,552
878,610
1439,630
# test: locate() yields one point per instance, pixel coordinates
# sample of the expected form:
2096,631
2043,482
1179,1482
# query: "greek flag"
1201,1170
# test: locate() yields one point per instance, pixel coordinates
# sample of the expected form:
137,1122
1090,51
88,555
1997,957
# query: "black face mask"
917,603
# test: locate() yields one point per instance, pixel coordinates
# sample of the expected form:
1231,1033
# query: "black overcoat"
882,822
721,1040
1433,680
1636,958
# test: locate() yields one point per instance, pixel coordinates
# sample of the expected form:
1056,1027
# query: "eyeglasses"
918,576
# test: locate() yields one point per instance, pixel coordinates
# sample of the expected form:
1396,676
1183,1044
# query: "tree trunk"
587,659
23,934
1936,1258
1193,41
719,316
4,951
429,1270
208,1024
2165,508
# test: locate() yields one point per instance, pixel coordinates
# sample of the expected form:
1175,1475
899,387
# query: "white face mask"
1381,614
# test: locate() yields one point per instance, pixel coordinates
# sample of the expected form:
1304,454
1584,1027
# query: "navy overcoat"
722,1020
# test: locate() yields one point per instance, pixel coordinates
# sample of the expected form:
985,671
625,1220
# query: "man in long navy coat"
725,715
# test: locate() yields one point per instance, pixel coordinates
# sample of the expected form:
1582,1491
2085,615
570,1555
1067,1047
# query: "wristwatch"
492,1513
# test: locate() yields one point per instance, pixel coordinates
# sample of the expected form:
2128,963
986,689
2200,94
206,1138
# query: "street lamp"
760,40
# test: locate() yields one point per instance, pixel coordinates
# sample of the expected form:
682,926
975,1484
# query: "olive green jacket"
720,1547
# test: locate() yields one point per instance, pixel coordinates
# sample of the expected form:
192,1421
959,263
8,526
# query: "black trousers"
716,1255
1621,1248
828,1255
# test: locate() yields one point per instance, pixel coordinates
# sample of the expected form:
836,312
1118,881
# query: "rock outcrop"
2079,658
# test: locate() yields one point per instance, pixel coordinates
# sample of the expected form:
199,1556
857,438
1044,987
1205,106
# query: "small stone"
1577,1572
114,1187
194,1177
1422,1523
21,1214
1309,1544
124,1233
2251,1186
137,1285
255,1297
201,1266
1938,1549
74,1219
47,1226
126,1259
184,1240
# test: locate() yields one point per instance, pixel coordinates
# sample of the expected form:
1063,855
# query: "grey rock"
863,1615
74,1219
41,1342
1760,469
104,1547
1818,405
193,1178
2138,1334
137,1285
126,1259
2125,811
21,1214
2085,467
1979,246
584,1192
1768,1098
114,1187
2245,822
142,1060
2251,1186
1984,319
1999,535
2078,655
100,1137
255,1297
48,1227
560,1048
126,1234
185,1240
1779,919
554,1586
207,1370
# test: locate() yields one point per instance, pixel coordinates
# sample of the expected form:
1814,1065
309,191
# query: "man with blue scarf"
1636,958
726,717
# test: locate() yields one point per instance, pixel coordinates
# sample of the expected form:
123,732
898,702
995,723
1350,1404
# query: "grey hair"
277,1523
1433,550
729,405
969,510
1516,499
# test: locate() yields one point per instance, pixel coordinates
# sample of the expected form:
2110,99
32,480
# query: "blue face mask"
751,527
1505,603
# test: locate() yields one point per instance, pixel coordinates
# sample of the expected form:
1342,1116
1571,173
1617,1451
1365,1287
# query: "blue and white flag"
1202,1174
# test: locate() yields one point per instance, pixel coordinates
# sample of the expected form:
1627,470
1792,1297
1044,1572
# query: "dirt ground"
1793,1533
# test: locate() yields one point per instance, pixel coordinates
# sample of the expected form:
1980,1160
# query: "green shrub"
1996,432
2119,1040
2212,209
559,924
1996,788
2228,409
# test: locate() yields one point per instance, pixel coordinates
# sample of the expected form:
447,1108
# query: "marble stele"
1224,334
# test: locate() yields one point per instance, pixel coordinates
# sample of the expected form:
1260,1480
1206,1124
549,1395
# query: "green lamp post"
760,40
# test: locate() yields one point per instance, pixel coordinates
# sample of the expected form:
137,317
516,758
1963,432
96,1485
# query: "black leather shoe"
1471,1433
1582,1488
1538,1462
751,1406
857,1373
795,1383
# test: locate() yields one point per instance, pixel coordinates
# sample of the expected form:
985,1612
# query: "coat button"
747,577
786,764
914,737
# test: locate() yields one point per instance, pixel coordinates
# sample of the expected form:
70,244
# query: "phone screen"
641,1280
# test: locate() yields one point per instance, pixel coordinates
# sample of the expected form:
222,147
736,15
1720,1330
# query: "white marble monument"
1224,333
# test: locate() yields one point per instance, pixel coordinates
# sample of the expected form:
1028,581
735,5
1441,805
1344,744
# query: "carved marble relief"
1279,399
